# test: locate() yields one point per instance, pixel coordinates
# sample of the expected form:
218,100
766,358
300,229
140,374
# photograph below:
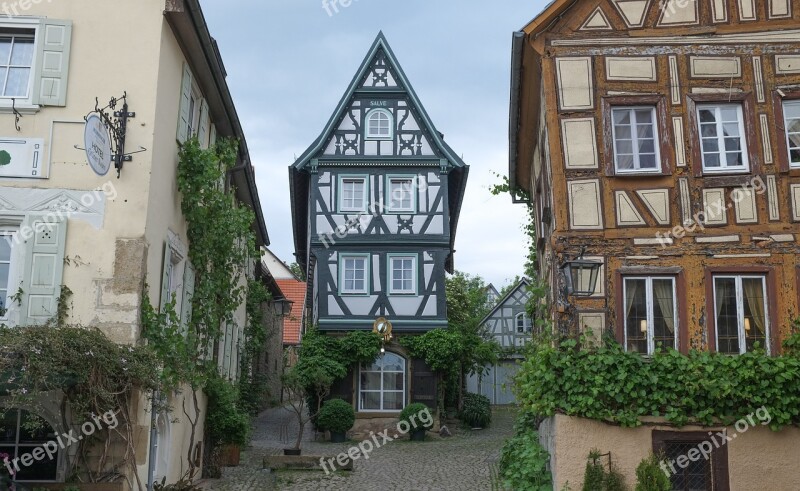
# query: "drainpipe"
151,459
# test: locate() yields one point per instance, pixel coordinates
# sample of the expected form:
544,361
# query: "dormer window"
379,125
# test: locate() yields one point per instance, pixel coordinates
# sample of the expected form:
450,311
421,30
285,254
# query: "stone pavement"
465,462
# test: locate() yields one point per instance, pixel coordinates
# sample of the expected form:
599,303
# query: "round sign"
98,145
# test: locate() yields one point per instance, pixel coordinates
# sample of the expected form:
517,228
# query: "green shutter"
165,296
184,115
44,267
212,138
188,293
52,63
202,132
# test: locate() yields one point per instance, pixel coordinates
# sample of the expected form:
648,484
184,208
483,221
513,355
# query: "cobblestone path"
463,462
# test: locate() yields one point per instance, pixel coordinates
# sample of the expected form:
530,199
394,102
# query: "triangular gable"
597,21
523,283
380,74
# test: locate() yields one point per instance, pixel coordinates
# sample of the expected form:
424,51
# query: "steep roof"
299,176
295,292
524,282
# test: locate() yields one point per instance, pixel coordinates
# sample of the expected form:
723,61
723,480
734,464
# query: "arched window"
382,385
523,323
379,125
20,433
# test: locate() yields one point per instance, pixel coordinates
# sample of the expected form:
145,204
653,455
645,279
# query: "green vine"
253,390
609,384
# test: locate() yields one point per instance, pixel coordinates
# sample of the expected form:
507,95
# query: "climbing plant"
222,246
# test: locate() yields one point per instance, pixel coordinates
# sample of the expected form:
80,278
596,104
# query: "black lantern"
580,276
283,306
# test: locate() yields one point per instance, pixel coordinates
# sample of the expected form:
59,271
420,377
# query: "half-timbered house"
663,137
510,324
375,203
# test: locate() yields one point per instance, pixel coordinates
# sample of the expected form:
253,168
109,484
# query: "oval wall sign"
98,145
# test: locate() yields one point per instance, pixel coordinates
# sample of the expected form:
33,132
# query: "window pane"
624,147
707,116
711,160
729,113
8,427
17,84
392,363
727,316
755,319
790,109
4,267
392,381
730,129
708,130
696,476
622,116
734,159
644,116
647,161
644,131
635,314
371,401
623,132
664,324
370,381
34,429
5,50
22,54
392,401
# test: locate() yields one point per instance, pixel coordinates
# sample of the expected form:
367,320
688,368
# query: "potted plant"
228,424
411,416
336,416
307,384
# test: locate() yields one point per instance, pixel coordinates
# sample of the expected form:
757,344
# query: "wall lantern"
283,306
580,276
383,327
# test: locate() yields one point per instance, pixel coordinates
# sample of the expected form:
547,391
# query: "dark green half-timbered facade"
375,204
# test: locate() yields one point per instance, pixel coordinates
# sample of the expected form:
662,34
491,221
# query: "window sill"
376,414
379,138
22,108
658,173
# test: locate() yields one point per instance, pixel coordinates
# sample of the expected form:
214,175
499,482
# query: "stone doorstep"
302,463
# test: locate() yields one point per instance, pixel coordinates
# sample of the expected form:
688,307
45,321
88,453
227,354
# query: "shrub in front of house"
336,416
411,415
524,461
477,411
650,477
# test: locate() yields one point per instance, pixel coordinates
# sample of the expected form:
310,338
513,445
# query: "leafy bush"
650,477
477,412
524,462
226,421
615,481
411,415
336,416
609,384
595,474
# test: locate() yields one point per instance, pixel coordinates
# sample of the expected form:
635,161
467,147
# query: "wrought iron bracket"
117,123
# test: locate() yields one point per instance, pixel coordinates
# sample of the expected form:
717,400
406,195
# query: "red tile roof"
295,291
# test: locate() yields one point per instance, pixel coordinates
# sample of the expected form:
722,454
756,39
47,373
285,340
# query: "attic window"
379,125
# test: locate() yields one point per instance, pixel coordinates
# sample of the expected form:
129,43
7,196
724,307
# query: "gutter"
517,44
214,61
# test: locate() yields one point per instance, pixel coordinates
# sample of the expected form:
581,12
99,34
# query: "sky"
290,61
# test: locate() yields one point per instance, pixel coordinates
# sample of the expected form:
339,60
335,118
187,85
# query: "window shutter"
188,293
205,122
52,63
165,297
44,267
343,388
186,102
212,137
423,383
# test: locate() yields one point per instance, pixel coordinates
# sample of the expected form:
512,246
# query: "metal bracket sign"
97,143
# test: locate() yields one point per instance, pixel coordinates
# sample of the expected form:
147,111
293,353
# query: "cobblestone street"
465,462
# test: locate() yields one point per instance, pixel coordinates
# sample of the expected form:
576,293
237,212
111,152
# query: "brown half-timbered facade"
664,136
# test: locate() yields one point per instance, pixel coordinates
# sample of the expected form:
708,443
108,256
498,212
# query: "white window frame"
637,169
724,168
740,310
368,133
343,290
365,194
383,391
789,147
390,181
414,274
195,103
26,24
526,325
650,306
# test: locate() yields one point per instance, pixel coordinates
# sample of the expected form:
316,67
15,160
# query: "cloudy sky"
290,61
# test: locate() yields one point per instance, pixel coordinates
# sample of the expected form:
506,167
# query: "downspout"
151,459
514,109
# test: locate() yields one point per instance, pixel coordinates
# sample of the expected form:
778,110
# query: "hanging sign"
98,145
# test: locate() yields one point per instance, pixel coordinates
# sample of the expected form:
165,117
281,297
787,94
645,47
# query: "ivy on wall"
609,384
